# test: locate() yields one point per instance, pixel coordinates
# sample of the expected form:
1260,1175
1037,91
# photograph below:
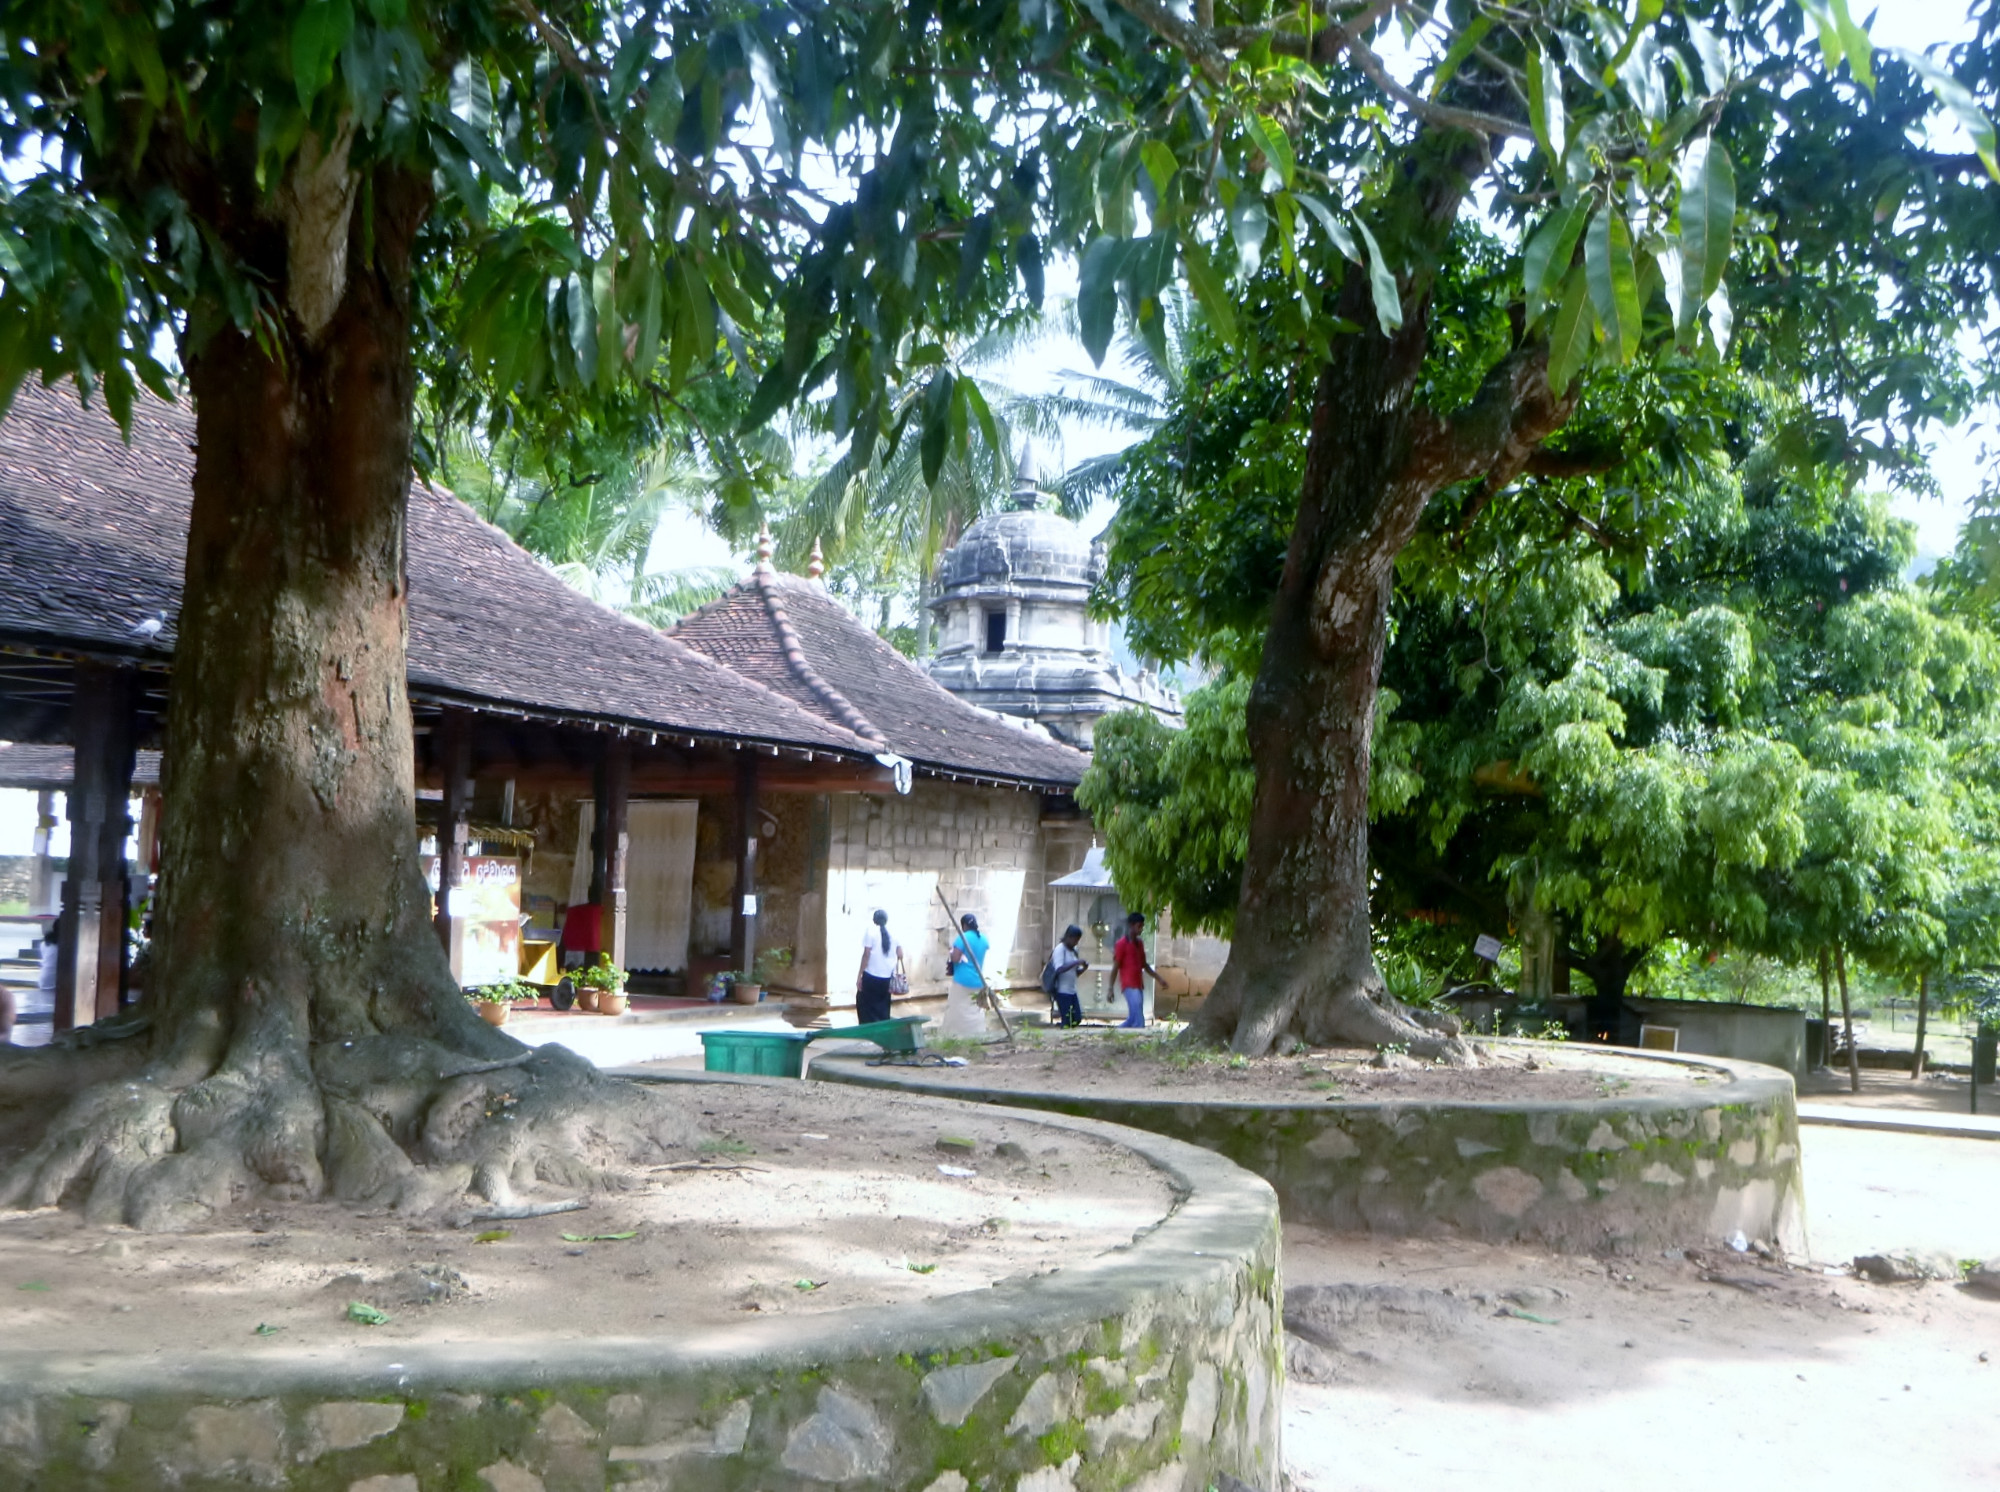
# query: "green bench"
782,1054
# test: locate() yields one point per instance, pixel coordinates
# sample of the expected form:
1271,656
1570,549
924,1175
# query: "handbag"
899,982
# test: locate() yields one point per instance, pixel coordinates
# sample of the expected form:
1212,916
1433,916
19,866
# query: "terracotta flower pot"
744,993
493,1012
586,997
609,1003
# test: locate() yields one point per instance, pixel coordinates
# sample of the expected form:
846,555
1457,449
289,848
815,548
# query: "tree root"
1316,1011
391,1120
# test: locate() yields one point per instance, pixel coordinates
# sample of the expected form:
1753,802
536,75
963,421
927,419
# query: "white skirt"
963,1016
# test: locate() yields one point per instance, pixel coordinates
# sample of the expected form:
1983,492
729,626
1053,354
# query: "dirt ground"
802,1200
1115,1065
1696,1373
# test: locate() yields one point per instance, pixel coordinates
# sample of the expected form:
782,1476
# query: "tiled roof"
787,632
54,767
93,536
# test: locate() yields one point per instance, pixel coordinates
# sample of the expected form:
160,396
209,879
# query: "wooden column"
42,876
453,740
743,918
90,962
617,780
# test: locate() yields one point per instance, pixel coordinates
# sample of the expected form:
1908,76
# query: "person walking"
881,962
1067,964
1128,959
967,962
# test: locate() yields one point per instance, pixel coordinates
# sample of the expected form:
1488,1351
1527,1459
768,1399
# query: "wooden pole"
743,916
90,960
454,749
1847,1018
1923,1014
617,842
1825,1012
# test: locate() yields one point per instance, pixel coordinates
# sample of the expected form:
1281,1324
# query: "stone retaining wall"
1604,1175
1157,1367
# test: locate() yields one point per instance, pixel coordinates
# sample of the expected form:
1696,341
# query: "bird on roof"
150,627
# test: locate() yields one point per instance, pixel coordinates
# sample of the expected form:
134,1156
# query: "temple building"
1014,634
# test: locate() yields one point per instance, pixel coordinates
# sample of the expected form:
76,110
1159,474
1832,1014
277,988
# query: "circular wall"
1156,1366
1720,1157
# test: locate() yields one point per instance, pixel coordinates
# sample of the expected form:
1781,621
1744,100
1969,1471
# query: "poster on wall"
485,910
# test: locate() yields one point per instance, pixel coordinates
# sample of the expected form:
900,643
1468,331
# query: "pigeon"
149,628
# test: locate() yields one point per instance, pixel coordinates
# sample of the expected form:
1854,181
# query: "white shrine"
1014,634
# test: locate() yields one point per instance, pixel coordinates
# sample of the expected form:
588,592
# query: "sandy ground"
1110,1064
1682,1374
1934,1093
808,1200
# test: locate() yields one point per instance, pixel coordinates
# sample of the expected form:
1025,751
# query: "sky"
1956,455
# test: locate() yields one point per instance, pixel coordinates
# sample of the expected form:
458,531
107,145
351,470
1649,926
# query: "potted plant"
744,988
601,987
493,1001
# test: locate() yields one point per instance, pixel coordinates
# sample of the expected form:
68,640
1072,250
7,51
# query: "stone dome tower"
1013,632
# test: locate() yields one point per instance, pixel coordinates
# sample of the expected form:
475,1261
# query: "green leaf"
1248,223
1708,218
1461,48
366,1314
1382,285
1614,282
989,428
808,1284
1708,47
472,95
1570,338
1276,145
1211,291
1097,295
1335,229
1831,44
1545,103
600,1237
1028,262
1855,41
1548,256
1956,97
262,1330
582,328
922,1268
936,435
1160,164
493,1235
317,37
663,103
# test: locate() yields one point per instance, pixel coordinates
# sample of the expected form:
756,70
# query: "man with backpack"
1059,977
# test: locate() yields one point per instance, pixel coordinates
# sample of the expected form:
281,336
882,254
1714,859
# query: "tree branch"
1496,436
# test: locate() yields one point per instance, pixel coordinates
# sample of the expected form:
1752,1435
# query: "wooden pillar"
42,876
453,740
90,962
617,779
743,919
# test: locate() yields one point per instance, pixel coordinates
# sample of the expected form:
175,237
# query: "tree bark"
1301,965
307,1035
1923,1019
1847,1018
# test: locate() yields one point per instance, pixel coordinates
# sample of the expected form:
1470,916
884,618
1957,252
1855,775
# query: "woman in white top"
881,958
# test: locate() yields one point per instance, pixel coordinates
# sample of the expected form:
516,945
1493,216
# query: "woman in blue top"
967,958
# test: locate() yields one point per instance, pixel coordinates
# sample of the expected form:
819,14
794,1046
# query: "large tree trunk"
1300,964
307,1035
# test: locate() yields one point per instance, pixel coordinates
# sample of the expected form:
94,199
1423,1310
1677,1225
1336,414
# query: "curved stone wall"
1609,1174
1154,1367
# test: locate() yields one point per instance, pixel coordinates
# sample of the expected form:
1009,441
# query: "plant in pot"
493,1001
601,987
743,987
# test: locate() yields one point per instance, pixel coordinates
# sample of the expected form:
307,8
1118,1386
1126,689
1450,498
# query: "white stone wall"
982,845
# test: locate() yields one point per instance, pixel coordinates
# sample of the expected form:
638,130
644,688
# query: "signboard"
485,911
1486,946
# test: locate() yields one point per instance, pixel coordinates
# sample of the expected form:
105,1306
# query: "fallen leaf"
600,1237
266,1331
807,1284
32,1285
923,1268
367,1315
494,1235
1520,1315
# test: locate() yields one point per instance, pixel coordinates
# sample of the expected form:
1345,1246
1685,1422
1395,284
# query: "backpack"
1049,977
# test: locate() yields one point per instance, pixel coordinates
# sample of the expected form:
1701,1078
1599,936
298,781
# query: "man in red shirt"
1128,959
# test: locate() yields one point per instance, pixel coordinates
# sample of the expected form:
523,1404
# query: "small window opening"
996,631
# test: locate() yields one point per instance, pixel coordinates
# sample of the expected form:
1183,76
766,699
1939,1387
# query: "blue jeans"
1069,1009
1135,1008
